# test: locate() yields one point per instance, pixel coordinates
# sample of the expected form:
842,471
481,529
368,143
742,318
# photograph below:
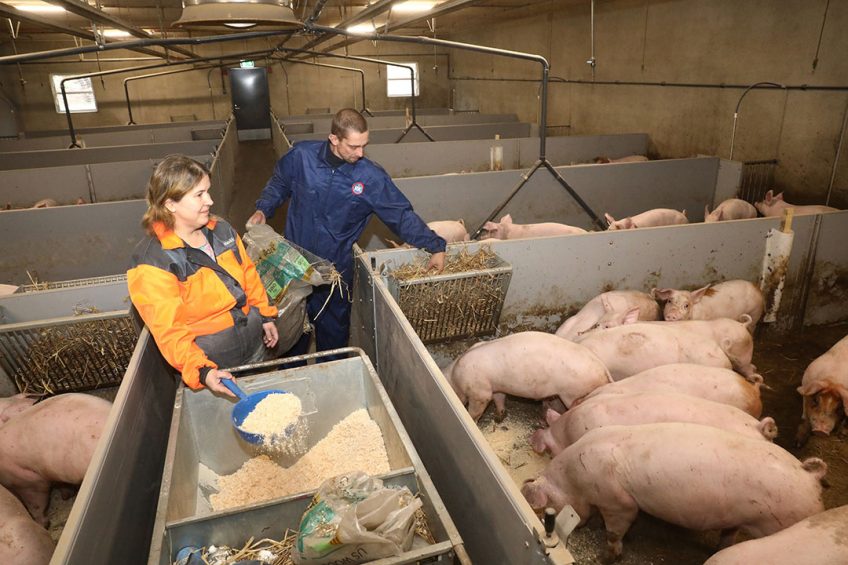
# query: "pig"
22,541
824,387
635,347
51,442
527,364
644,408
710,383
505,229
627,159
730,209
772,205
729,299
597,312
7,289
694,476
451,231
651,218
11,406
816,540
45,203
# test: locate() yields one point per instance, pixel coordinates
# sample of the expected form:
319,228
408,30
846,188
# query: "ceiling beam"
88,12
10,12
367,13
442,9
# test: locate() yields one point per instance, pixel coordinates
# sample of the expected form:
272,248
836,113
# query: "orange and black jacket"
181,293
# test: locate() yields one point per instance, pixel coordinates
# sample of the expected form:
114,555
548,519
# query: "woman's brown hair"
172,179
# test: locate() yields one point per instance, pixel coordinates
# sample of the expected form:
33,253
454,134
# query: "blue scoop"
245,405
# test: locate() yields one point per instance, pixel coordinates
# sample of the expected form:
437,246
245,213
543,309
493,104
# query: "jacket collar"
169,239
326,155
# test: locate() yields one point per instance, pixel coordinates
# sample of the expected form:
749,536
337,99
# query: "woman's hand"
213,382
271,335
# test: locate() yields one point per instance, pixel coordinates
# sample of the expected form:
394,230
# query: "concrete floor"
255,161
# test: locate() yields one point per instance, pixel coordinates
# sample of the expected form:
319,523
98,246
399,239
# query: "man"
334,189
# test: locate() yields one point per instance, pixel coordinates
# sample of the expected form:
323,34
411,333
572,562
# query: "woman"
193,283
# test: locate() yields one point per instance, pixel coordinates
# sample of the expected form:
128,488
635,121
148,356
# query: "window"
80,94
397,80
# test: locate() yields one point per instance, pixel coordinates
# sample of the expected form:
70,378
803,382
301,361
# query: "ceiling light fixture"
412,6
237,14
39,8
362,28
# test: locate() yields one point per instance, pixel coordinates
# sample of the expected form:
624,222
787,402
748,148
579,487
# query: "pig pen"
620,189
439,133
321,124
92,240
552,278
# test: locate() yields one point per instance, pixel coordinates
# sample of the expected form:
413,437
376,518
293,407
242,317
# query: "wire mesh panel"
757,179
70,283
444,307
67,355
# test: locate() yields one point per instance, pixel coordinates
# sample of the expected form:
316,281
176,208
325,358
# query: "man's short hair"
347,120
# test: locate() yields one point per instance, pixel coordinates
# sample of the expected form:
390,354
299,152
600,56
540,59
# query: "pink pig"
772,205
730,209
598,311
52,442
729,299
527,364
825,391
627,159
817,540
635,347
451,231
505,229
649,219
694,476
22,541
11,406
710,383
644,408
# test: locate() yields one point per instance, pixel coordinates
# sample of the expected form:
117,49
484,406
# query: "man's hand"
437,262
213,382
258,217
271,335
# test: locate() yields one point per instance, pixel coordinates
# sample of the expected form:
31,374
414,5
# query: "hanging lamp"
238,14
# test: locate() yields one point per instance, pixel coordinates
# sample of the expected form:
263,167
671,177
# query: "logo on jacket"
357,188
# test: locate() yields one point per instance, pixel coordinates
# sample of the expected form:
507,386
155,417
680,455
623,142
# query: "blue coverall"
329,209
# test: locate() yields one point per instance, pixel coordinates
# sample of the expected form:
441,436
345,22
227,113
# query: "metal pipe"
133,44
591,61
71,131
739,103
836,158
365,109
229,61
378,62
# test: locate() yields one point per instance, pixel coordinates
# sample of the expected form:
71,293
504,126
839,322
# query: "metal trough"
68,339
201,434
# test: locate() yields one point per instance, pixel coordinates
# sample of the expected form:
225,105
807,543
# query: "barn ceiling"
120,20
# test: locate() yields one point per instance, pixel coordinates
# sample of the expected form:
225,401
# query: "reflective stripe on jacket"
180,292
330,207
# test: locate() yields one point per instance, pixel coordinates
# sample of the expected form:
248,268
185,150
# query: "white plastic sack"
354,519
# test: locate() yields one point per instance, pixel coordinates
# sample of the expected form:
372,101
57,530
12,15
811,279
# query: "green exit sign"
247,64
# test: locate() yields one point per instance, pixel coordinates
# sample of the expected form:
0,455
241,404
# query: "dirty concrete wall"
203,94
677,41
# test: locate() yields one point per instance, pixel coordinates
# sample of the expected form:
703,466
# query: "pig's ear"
631,316
610,220
551,416
811,388
661,293
684,214
769,196
490,226
697,295
535,495
720,214
779,197
461,221
706,211
506,219
605,303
